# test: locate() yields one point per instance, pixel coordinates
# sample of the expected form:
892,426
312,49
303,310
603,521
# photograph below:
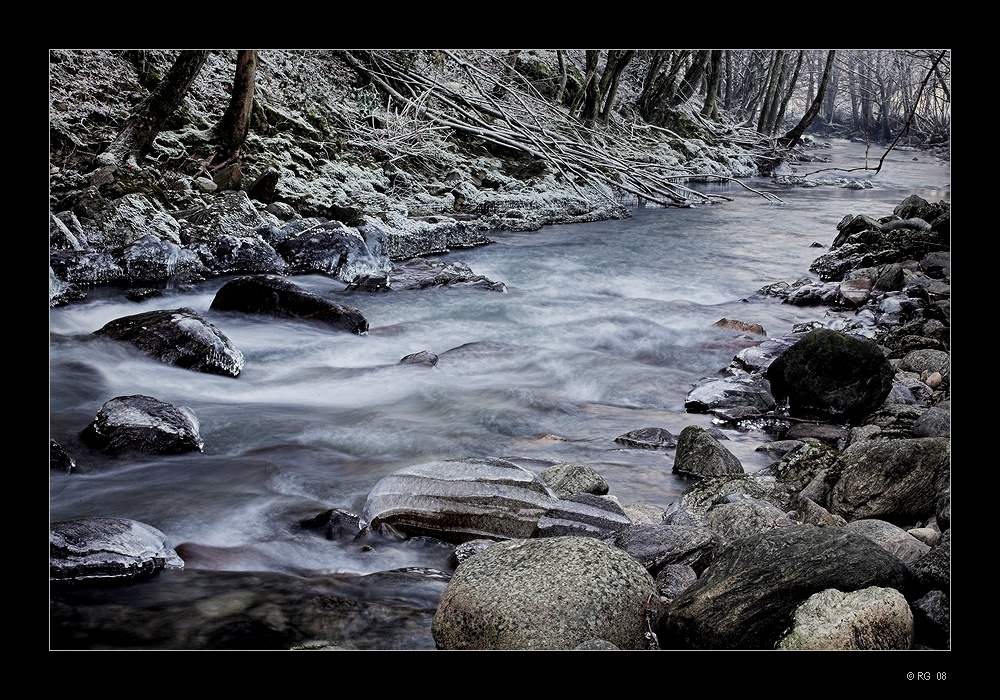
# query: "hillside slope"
342,149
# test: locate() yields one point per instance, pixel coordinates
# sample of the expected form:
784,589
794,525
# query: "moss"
142,182
681,123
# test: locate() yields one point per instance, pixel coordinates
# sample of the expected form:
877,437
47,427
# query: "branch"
909,118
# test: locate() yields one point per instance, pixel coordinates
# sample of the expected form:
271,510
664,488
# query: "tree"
770,107
231,132
664,88
589,90
613,69
790,89
790,139
136,137
711,107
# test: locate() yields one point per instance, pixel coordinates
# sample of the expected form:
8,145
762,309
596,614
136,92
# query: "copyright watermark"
926,676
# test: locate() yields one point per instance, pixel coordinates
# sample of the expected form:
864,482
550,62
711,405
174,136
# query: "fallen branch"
517,117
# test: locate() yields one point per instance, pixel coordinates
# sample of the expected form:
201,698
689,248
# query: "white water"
605,329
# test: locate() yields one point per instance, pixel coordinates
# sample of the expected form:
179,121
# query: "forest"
587,115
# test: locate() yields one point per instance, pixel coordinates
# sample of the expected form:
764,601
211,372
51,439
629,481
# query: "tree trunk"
790,88
790,139
231,131
591,76
692,78
563,75
727,102
830,99
769,107
136,137
592,92
711,107
610,84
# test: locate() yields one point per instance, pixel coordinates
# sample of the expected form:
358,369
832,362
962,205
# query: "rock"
831,376
180,337
868,619
892,539
331,248
648,438
263,187
460,499
895,480
674,579
424,357
529,594
107,549
568,479
747,596
655,546
272,296
59,460
738,390
422,274
699,454
742,516
334,524
742,326
932,620
142,424
933,570
582,515
596,645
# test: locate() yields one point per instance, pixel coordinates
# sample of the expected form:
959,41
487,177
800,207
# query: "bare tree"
665,87
136,137
769,108
231,132
616,63
790,139
789,91
563,75
589,89
714,79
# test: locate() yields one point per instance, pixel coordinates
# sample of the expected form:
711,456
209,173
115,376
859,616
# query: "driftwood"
516,116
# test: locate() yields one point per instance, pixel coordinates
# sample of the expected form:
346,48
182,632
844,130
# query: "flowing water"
604,329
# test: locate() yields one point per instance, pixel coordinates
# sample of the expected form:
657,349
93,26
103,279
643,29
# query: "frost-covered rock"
142,424
105,549
180,337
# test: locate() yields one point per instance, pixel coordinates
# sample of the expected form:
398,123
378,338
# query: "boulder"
328,247
180,337
529,594
831,376
142,424
273,296
895,480
872,618
892,539
460,499
740,390
659,545
700,454
567,479
747,596
583,515
107,549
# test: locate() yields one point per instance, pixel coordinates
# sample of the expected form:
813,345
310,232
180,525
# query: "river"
604,329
